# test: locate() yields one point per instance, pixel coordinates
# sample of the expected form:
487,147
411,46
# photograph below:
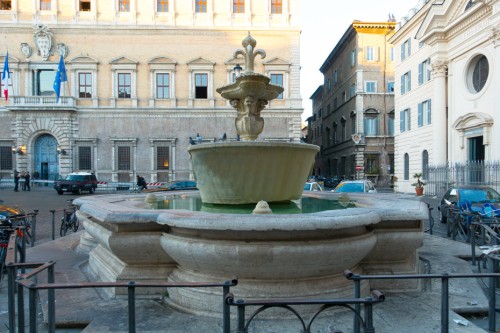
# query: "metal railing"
365,320
445,280
439,178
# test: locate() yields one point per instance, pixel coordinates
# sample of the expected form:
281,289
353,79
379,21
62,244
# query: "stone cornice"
468,22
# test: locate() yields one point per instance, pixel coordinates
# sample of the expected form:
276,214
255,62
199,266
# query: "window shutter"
408,112
420,114
401,121
420,73
408,88
402,84
430,111
402,51
409,47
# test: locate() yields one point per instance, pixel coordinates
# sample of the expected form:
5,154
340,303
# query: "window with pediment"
279,72
124,76
201,86
84,73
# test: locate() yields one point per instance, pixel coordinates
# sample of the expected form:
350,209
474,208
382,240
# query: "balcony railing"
30,102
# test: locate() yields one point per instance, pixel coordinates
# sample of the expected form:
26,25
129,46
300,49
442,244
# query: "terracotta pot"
419,191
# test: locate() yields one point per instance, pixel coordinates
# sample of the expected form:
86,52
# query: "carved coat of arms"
43,41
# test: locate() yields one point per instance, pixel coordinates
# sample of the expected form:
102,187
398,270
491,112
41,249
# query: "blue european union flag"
60,77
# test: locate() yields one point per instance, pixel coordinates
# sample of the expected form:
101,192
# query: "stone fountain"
273,255
250,171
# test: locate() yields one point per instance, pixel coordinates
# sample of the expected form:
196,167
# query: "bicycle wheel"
64,227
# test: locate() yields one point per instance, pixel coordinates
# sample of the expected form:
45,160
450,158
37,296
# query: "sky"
324,22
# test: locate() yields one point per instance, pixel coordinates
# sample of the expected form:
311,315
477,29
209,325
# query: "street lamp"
17,150
237,70
61,151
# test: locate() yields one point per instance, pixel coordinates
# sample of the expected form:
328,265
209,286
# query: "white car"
312,186
363,186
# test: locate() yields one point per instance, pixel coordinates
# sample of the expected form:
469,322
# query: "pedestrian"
27,178
36,175
16,180
141,183
23,174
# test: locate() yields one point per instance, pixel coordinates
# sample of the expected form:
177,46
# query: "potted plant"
419,185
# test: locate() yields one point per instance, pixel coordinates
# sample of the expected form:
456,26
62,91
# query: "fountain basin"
247,172
250,84
286,255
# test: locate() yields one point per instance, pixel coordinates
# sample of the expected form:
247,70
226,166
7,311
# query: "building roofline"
317,91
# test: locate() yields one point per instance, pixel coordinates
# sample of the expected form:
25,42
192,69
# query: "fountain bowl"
241,172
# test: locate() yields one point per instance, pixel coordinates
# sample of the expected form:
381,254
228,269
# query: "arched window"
406,167
425,164
371,122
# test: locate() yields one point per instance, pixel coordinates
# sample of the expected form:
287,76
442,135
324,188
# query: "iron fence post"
20,308
368,317
131,307
51,298
473,247
225,309
357,307
241,317
11,274
53,212
444,304
492,298
32,309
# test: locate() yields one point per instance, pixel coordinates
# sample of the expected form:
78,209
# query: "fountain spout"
250,93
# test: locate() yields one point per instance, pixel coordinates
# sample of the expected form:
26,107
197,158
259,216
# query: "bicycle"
6,230
69,221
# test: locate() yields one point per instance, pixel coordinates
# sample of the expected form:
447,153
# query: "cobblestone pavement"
44,199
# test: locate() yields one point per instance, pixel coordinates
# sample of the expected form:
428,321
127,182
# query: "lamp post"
237,70
61,151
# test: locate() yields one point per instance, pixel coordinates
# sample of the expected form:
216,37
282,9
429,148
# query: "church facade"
446,96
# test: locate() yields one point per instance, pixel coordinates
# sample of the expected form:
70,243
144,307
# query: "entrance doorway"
476,159
46,158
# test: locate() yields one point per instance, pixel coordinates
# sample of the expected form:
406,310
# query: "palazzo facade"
141,81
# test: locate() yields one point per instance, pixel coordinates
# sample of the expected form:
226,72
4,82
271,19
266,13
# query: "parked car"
76,182
333,182
477,195
364,186
313,186
10,211
181,185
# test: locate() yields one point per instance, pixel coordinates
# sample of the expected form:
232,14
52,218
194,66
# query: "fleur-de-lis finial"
249,53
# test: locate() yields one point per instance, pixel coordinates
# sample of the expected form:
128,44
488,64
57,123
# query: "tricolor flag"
60,77
6,77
